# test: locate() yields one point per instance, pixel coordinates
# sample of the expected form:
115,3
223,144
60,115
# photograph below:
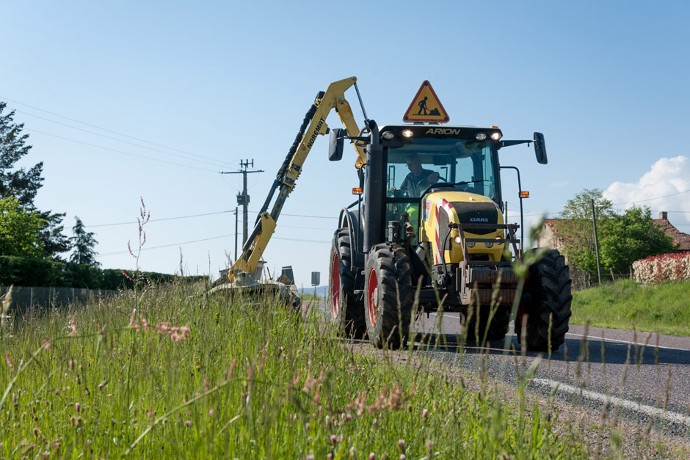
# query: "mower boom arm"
314,124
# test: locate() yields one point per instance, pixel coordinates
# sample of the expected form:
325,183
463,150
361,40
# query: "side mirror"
540,148
335,144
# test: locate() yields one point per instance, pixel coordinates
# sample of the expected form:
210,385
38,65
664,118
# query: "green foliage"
23,184
189,375
630,237
20,182
37,272
580,207
19,230
83,243
625,304
623,238
54,241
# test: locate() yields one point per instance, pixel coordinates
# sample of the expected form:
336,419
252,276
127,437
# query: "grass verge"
187,375
625,304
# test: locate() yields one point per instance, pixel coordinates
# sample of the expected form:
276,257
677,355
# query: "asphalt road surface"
641,376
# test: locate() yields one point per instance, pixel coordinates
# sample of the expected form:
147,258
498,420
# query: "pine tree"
83,244
22,184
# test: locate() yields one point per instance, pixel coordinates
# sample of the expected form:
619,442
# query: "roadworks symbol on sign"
426,107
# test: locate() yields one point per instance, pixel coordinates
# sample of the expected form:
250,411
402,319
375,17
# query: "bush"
661,268
37,272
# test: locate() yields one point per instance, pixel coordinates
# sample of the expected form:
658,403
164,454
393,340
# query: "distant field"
663,308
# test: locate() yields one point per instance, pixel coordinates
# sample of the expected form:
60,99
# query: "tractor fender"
352,220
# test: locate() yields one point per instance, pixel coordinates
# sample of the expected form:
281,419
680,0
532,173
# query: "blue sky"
126,99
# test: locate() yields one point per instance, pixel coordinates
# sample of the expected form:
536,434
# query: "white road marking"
592,338
624,403
650,345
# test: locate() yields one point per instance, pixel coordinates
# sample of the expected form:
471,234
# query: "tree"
623,238
54,241
83,243
19,230
630,237
20,183
580,207
23,184
576,229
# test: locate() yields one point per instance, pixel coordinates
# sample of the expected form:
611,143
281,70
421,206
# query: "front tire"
545,308
388,296
347,311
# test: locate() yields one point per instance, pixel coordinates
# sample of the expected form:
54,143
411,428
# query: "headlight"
489,245
496,135
407,133
470,244
387,135
458,240
480,136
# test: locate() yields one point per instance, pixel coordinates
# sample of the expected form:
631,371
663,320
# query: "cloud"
665,187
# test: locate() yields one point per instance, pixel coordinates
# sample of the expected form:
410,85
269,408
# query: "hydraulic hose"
288,158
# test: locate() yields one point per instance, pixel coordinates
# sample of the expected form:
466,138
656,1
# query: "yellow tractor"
427,230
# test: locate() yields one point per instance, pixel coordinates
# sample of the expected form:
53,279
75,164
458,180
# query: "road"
642,376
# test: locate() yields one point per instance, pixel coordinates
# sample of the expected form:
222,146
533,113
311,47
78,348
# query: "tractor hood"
443,209
469,207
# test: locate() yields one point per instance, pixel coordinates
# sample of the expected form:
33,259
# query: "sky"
127,101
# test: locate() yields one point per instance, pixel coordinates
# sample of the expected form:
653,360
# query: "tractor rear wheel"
347,311
545,306
388,296
476,327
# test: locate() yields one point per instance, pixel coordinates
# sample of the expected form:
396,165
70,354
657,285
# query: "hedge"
22,271
661,268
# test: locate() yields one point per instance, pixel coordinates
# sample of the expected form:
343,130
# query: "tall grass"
197,376
625,304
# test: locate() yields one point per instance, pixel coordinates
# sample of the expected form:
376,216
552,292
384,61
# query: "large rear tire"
347,311
388,296
545,307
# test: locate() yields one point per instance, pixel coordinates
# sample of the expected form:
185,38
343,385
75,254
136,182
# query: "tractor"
427,231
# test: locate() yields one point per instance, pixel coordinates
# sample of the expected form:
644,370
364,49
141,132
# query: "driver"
419,178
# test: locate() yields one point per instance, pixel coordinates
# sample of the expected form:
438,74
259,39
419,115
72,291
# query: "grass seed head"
8,361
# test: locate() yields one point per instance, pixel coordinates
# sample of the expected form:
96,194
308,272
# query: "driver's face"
414,165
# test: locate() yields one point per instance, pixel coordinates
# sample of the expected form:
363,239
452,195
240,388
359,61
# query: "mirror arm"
511,143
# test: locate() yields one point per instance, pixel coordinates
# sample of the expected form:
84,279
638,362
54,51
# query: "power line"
185,157
183,243
167,245
162,219
651,199
190,216
107,130
120,151
301,215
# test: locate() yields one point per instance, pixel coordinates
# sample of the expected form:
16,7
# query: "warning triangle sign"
426,107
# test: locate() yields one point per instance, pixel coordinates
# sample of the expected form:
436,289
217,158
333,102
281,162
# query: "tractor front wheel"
545,307
388,296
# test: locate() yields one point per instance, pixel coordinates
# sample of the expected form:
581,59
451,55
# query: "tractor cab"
425,160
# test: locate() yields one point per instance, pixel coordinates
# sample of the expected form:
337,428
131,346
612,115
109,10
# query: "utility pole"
596,242
236,217
243,197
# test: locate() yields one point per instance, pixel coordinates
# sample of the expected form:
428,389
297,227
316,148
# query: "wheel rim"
372,297
335,284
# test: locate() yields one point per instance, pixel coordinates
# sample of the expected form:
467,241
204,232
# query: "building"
680,239
549,234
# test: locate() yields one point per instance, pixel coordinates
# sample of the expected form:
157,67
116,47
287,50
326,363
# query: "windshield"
465,165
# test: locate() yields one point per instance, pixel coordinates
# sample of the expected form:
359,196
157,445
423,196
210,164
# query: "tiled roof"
680,239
